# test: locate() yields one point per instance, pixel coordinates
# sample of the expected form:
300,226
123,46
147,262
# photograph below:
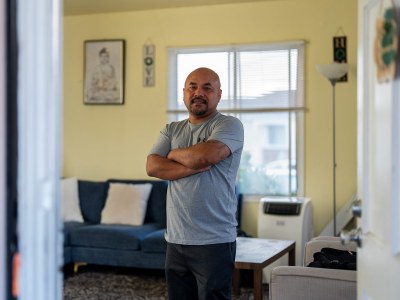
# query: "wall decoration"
386,43
340,53
149,65
104,63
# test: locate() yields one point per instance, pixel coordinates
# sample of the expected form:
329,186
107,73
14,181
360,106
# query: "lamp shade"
333,71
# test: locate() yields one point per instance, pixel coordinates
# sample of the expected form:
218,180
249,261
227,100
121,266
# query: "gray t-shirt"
201,209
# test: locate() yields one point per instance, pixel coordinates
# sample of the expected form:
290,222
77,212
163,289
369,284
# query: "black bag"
335,259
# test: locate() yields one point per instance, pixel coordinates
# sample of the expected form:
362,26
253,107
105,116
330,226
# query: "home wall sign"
340,53
149,65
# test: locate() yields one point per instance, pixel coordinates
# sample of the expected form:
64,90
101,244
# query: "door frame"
4,272
39,99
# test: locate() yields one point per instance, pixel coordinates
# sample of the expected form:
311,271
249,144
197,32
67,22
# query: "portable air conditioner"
285,218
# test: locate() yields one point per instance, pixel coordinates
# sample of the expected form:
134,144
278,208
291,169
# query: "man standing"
200,157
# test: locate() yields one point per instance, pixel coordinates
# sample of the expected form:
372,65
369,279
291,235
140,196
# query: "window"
276,134
263,86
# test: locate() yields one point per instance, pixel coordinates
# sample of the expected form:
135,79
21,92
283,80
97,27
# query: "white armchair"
295,282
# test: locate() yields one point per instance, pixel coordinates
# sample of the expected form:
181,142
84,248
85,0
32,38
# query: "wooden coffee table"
255,254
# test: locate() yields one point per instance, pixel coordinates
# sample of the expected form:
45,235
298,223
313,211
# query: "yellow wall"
102,142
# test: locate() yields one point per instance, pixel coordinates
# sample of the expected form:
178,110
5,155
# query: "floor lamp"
333,72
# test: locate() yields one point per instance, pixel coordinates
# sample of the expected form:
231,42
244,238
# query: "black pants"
200,272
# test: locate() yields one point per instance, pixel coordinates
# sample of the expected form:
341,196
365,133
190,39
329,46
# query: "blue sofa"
112,244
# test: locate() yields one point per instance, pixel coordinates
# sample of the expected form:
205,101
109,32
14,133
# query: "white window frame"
298,110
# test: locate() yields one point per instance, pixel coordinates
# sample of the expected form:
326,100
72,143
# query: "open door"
378,149
39,119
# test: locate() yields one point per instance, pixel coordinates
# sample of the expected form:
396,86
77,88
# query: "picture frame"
104,71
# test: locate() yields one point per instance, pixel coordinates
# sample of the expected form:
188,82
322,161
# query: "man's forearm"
187,157
201,155
167,169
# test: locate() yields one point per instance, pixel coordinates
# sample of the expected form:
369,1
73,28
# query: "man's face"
202,93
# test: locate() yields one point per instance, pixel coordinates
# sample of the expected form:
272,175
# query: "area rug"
117,284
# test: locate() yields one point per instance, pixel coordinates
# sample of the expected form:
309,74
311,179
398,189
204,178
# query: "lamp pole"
333,72
333,83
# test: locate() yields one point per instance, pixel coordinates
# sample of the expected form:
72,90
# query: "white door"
378,158
39,38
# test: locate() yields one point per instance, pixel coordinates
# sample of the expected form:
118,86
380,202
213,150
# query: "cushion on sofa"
92,196
126,203
156,205
70,200
155,242
126,237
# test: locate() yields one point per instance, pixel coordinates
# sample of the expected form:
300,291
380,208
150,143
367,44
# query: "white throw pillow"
70,200
126,203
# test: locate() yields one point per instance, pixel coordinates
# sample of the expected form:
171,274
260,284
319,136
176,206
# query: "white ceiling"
79,7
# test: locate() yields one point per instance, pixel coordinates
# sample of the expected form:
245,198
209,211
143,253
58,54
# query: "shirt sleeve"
229,130
162,146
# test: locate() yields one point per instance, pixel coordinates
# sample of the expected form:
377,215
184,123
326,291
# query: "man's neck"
201,119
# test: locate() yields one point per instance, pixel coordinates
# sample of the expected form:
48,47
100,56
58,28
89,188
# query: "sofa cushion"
126,203
155,242
92,196
123,237
156,205
70,200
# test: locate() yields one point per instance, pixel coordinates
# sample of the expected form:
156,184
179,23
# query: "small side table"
255,254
